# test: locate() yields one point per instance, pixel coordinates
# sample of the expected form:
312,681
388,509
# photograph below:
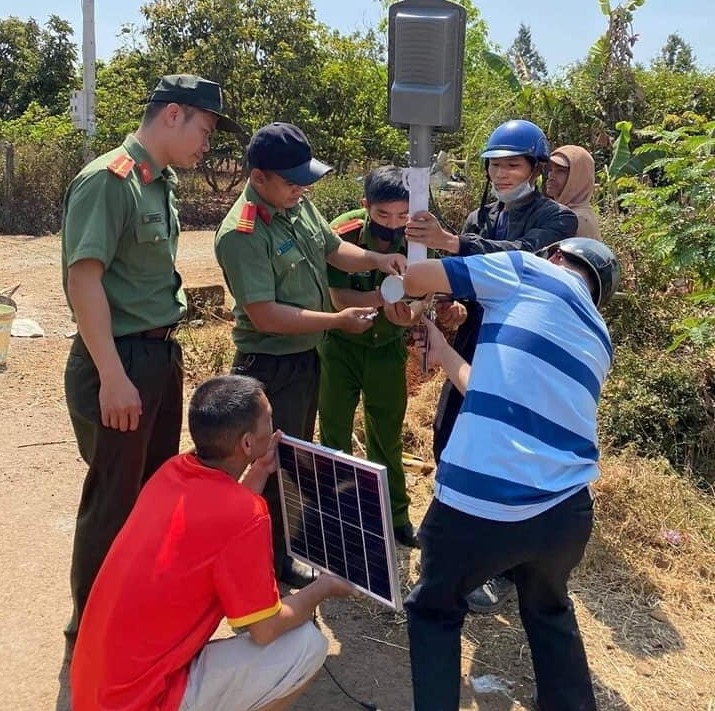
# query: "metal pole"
89,60
420,146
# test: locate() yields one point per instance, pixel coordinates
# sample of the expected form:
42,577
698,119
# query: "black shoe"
491,596
405,535
295,574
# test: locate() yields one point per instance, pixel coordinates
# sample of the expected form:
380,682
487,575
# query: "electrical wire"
363,704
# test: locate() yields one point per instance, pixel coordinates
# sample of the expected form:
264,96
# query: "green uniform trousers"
119,463
347,369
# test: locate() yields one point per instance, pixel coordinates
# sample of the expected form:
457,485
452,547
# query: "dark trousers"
459,552
291,383
119,462
448,406
450,399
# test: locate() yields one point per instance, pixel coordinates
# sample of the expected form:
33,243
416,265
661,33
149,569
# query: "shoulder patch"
247,220
145,172
350,226
264,213
121,166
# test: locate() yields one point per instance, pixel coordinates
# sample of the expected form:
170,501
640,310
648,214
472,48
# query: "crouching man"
197,548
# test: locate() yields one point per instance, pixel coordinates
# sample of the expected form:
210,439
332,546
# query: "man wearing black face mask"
371,363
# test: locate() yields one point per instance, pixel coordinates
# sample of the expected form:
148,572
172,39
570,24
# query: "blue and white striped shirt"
525,437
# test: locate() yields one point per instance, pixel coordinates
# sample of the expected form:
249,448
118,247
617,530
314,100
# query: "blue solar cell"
336,514
334,546
346,485
355,556
370,511
286,457
327,491
377,567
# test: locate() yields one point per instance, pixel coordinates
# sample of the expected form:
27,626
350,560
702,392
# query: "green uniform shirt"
382,331
121,210
277,258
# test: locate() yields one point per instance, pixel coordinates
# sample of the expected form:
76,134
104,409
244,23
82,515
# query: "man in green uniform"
124,374
273,248
371,363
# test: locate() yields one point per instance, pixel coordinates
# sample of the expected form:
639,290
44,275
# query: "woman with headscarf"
571,181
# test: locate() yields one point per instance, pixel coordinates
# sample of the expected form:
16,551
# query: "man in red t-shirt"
197,548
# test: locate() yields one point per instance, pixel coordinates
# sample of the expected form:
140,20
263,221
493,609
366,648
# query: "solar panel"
336,513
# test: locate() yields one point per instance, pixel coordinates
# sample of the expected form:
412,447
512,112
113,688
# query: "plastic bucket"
7,314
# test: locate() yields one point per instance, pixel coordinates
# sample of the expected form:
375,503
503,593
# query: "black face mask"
387,234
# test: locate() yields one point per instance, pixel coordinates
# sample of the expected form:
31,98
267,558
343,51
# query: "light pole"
82,102
425,72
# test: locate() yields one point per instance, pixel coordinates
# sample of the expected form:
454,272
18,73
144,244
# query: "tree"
347,119
676,55
616,92
670,93
123,85
525,58
35,65
263,52
56,65
18,64
675,218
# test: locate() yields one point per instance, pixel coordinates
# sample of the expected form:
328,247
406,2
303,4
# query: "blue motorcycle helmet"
517,138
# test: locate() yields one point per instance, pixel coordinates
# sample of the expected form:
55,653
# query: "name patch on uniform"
283,248
152,218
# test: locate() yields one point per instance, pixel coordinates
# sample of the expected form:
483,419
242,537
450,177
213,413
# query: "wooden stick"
43,444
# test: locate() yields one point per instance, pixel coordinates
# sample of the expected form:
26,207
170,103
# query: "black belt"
163,333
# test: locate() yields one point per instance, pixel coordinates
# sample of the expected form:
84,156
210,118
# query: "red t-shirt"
196,548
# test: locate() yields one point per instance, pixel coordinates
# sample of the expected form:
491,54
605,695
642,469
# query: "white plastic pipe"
417,182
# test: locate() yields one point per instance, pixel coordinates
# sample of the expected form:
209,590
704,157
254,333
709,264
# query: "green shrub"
453,206
42,173
662,405
200,207
334,195
47,154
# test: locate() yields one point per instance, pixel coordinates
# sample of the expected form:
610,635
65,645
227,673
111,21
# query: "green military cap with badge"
192,90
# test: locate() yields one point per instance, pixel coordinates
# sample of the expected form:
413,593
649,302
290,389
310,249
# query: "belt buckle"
170,332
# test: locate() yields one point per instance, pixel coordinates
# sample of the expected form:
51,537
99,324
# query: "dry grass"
657,525
208,349
644,594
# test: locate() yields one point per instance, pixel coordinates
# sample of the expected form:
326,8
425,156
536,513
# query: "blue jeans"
460,552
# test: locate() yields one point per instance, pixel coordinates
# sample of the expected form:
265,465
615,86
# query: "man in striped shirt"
512,489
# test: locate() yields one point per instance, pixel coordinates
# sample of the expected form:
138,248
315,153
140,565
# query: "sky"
560,32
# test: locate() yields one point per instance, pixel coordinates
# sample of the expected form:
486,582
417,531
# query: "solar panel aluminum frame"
394,601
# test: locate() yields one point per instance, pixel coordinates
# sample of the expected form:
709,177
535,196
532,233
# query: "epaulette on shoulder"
247,218
121,166
350,226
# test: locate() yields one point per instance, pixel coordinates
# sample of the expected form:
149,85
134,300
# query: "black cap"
283,148
192,90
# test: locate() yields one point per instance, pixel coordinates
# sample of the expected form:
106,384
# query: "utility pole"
82,102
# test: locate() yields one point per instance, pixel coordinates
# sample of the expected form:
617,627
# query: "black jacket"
531,225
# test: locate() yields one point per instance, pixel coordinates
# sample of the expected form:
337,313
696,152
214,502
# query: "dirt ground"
633,652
